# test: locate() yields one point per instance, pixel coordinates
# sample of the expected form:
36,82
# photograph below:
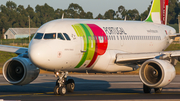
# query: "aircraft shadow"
81,86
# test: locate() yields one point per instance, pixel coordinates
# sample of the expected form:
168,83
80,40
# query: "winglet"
159,12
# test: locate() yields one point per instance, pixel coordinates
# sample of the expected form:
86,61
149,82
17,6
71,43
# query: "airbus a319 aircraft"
101,46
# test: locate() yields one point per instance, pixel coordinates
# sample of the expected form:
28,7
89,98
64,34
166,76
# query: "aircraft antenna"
125,18
62,16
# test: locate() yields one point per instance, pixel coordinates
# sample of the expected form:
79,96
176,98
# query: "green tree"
45,13
22,16
58,13
11,5
99,16
144,15
89,15
74,11
109,14
133,14
30,12
76,8
121,13
173,11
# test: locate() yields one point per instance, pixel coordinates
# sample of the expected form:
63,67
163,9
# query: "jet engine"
157,73
20,71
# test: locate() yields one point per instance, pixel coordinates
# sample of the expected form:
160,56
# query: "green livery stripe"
84,31
149,19
80,33
91,43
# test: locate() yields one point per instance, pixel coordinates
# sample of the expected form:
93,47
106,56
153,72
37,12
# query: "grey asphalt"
88,87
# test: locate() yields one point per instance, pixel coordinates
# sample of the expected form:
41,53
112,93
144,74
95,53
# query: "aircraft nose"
36,54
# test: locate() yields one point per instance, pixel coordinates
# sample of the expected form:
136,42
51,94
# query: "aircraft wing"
127,57
174,35
13,49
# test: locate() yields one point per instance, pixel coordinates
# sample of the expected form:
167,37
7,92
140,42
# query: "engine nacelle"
20,71
157,73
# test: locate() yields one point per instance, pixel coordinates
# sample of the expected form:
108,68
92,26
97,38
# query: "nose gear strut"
62,84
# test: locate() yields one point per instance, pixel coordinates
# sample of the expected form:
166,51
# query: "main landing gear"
147,89
62,84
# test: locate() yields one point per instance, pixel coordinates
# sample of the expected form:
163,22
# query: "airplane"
77,45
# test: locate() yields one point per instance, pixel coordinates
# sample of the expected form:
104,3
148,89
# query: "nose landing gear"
62,84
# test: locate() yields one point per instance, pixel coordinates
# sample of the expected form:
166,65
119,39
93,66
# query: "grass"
4,56
173,46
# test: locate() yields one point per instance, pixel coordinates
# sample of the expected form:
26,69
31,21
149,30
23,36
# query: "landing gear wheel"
70,85
62,85
56,90
146,89
62,90
158,90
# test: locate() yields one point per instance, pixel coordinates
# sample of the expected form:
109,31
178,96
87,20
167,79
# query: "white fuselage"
120,37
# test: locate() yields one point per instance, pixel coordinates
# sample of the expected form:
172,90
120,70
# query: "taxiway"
88,87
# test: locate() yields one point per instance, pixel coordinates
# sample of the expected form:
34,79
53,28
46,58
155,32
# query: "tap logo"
95,43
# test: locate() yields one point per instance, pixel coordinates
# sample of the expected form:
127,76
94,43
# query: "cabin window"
121,37
112,38
117,37
92,37
38,36
109,38
95,37
60,36
50,36
105,38
66,36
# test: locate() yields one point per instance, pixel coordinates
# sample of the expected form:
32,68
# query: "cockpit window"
67,37
60,36
50,36
38,36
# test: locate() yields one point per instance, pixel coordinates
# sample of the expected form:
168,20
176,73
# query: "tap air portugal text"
65,45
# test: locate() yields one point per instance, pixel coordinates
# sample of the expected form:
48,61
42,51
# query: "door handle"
83,51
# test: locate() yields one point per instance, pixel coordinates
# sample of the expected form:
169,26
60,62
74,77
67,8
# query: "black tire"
146,89
158,90
70,85
57,84
56,90
62,90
